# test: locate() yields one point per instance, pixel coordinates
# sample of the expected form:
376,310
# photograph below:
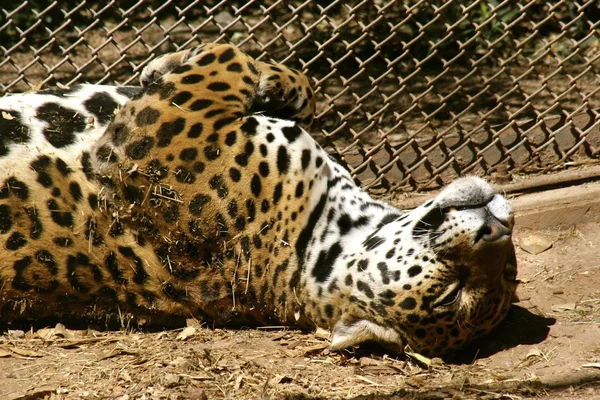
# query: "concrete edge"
558,208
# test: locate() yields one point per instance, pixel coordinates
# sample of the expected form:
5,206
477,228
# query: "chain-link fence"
410,93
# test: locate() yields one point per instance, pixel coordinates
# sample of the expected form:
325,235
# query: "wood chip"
186,333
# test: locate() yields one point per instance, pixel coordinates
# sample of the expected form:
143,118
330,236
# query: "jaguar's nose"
495,229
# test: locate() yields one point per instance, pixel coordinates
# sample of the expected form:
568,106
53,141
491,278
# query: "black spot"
252,68
183,175
230,138
140,274
91,233
13,186
168,130
263,169
241,160
227,56
61,218
188,154
13,131
277,193
117,229
62,167
223,122
373,242
291,133
348,281
120,133
414,271
235,174
181,98
318,161
147,116
178,295
191,79
156,171
344,224
283,160
264,207
365,288
251,207
41,163
249,126
217,183
218,86
329,310
270,137
429,223
86,165
77,261
102,105
140,148
36,230
201,104
197,203
63,124
325,262
25,282
222,225
263,150
112,265
214,112
132,194
387,294
299,189
206,59
15,241
234,67
387,219
232,208
93,201
199,167
249,148
362,264
307,231
257,241
212,152
195,131
194,228
106,154
255,185
385,273
75,191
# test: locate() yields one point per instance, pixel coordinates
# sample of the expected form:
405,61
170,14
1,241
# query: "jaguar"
200,194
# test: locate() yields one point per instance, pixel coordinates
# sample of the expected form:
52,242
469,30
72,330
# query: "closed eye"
450,296
511,276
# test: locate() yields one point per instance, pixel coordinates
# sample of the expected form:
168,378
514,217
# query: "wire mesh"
411,93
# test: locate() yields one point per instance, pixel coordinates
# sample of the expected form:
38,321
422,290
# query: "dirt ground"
548,347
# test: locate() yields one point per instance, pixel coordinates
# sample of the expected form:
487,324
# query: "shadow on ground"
520,327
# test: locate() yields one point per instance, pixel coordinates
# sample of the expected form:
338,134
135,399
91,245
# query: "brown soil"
549,347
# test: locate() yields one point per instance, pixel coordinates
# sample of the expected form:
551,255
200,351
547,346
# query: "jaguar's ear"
346,334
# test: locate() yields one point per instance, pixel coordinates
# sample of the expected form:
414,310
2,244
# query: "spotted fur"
200,195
